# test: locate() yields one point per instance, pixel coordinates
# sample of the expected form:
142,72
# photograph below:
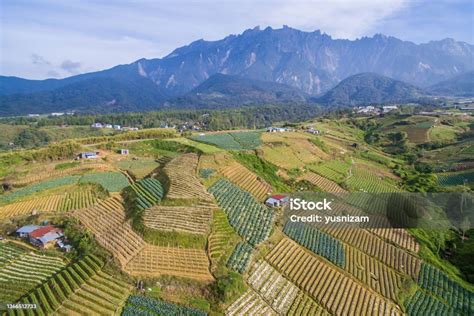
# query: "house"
63,246
97,125
124,151
389,108
117,127
45,236
25,230
277,200
313,131
88,155
108,126
57,114
276,129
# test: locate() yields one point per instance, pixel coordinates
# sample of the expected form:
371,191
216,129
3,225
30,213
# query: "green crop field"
231,140
111,181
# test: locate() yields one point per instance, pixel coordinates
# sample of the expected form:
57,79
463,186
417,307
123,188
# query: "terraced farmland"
324,184
222,237
141,305
232,140
101,294
185,219
247,216
398,236
148,192
154,261
316,241
388,254
424,304
456,178
107,222
184,183
334,170
438,283
250,304
247,180
332,289
240,257
23,272
277,291
361,180
304,305
373,273
111,181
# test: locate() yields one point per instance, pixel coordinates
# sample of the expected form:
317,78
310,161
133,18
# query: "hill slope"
461,86
370,88
227,91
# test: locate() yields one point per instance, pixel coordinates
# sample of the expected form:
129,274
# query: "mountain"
226,91
370,88
460,86
311,62
94,95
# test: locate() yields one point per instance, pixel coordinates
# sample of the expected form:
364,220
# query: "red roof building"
40,232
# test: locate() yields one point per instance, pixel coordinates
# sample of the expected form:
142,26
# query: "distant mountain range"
257,66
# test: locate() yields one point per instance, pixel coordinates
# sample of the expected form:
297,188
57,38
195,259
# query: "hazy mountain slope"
461,86
368,88
226,91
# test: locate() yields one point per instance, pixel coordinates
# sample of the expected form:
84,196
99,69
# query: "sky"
56,38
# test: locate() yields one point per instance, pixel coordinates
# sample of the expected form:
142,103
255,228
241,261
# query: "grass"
442,133
204,148
140,167
263,169
174,239
66,165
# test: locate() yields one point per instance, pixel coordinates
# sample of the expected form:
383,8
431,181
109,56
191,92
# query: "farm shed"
277,200
45,236
124,151
25,230
88,155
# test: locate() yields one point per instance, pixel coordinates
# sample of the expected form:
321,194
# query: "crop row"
250,304
247,180
437,282
425,304
25,272
232,141
51,294
240,257
316,241
141,305
149,192
332,289
186,219
250,219
459,178
277,291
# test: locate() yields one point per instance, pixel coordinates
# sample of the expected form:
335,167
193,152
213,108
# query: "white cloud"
102,34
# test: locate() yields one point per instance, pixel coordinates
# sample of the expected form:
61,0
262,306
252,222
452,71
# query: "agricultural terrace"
249,304
424,304
221,239
440,285
397,236
324,184
248,217
240,257
456,178
362,180
141,305
334,170
318,242
22,271
50,173
305,305
231,140
154,261
291,150
204,148
274,289
396,258
111,181
184,219
332,289
183,181
247,180
112,231
80,288
148,192
107,222
138,167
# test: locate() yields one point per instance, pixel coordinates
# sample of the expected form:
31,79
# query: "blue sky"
56,38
